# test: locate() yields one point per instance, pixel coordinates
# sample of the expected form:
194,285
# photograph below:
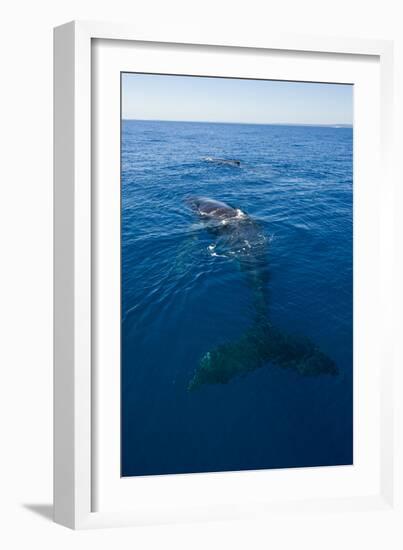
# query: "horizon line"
329,124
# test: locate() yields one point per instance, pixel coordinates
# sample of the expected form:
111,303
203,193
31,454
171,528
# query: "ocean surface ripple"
182,296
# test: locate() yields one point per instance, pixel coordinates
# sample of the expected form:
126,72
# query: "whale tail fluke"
260,345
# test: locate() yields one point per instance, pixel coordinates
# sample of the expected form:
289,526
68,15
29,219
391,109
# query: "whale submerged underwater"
241,237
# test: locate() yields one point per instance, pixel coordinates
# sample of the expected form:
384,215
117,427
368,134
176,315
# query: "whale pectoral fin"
260,345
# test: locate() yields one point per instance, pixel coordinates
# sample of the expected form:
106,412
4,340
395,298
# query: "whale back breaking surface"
242,237
217,160
211,208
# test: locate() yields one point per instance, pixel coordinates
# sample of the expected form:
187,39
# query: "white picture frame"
87,490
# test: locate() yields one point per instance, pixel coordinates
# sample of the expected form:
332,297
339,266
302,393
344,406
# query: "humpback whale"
262,343
231,162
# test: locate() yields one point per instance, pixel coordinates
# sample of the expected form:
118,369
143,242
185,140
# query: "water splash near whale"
237,234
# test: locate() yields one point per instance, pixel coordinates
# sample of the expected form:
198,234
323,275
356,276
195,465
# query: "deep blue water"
179,300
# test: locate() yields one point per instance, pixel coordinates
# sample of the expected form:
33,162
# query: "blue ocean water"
180,299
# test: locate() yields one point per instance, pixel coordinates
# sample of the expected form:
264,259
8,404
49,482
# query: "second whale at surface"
217,160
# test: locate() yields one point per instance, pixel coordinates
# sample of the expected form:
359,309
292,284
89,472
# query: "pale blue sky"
164,97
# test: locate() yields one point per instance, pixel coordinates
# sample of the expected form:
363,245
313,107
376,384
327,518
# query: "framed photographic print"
236,242
222,276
